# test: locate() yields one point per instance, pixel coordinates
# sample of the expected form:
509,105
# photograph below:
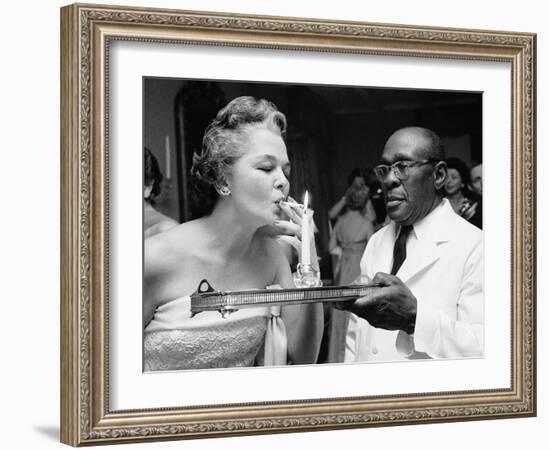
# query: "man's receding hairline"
427,144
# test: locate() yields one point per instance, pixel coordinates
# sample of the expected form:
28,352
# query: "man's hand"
392,306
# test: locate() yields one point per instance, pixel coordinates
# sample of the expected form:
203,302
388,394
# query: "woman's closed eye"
271,168
266,168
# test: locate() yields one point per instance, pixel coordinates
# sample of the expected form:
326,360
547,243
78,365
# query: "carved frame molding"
86,31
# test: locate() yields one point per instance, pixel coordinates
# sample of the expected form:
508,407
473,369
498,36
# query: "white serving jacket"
444,271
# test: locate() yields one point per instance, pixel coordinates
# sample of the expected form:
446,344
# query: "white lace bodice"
175,341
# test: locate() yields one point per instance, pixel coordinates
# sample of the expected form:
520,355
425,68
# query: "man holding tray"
427,262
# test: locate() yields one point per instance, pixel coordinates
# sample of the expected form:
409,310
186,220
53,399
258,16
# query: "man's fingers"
383,279
344,306
363,304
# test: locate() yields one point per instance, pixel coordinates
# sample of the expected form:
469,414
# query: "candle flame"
305,201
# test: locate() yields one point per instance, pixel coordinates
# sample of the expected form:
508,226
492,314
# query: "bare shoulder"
168,259
164,250
160,227
156,252
166,225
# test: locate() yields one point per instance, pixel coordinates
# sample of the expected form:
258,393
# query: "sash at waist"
353,247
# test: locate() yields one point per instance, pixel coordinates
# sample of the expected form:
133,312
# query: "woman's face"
358,182
259,178
453,182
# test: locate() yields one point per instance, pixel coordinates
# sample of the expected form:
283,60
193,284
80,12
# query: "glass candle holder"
306,276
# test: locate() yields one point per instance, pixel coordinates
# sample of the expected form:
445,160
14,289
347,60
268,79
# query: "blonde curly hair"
224,142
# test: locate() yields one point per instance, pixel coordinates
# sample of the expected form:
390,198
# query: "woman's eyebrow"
260,158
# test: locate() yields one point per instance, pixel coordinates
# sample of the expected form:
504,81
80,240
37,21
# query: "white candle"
167,150
306,251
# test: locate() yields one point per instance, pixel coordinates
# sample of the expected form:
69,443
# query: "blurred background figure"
154,222
476,182
350,234
475,187
458,177
348,240
356,179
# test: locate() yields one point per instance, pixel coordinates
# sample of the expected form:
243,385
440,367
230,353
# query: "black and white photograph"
298,224
287,221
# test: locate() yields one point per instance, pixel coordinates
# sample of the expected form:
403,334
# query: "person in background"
356,178
350,235
475,188
425,266
476,179
154,222
458,177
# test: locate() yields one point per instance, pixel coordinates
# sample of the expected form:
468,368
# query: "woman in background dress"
349,236
240,178
356,179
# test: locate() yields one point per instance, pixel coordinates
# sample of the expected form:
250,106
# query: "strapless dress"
174,340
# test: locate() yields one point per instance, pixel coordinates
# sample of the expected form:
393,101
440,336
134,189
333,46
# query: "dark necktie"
400,248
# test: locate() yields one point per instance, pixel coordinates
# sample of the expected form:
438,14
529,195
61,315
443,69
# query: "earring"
224,190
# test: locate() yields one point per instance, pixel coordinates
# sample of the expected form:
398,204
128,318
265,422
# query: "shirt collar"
429,226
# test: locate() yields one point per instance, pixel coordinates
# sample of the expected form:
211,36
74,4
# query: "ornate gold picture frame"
87,34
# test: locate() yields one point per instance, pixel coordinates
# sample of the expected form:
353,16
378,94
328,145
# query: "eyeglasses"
399,168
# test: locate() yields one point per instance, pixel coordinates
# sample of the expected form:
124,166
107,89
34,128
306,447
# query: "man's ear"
440,175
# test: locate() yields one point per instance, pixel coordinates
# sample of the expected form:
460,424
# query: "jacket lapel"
434,230
419,260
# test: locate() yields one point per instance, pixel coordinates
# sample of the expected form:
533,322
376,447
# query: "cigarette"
291,204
